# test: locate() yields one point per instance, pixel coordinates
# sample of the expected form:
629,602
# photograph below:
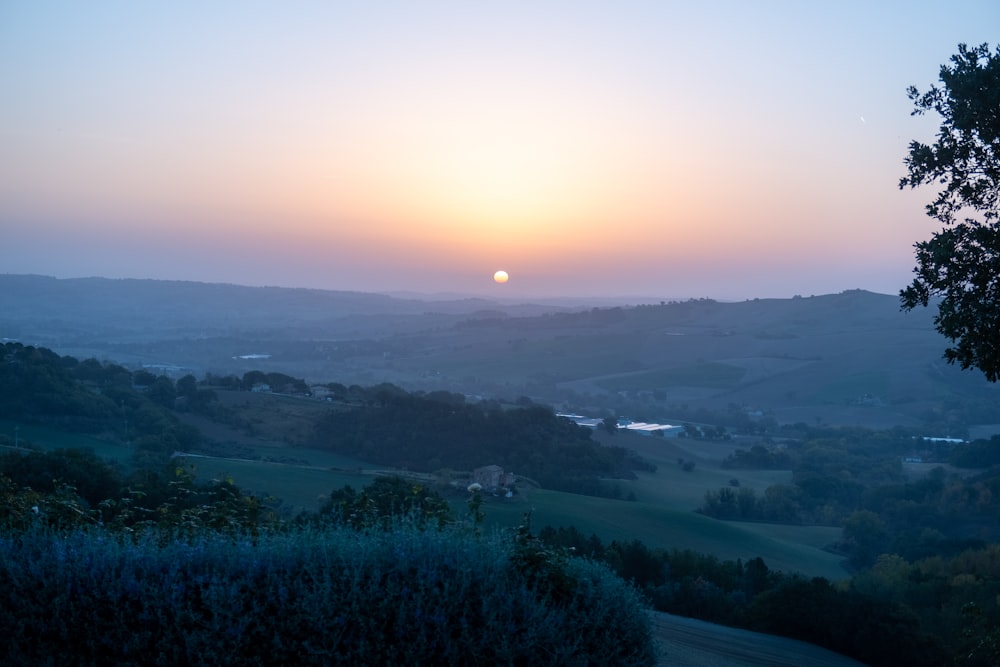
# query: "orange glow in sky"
666,150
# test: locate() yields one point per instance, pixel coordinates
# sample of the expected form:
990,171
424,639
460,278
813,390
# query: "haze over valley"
851,359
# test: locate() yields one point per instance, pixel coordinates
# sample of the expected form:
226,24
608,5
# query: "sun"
500,277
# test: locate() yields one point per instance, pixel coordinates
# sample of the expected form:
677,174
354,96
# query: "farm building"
492,478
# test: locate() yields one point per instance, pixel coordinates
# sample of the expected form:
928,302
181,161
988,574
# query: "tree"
385,500
961,262
610,425
864,537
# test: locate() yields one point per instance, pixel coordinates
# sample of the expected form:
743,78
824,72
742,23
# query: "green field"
665,520
43,437
661,516
299,488
659,526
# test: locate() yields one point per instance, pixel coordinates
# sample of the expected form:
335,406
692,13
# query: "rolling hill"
848,358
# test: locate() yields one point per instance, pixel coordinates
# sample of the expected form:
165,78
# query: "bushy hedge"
309,597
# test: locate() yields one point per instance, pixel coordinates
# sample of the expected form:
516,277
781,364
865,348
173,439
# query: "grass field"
299,488
662,515
34,436
659,526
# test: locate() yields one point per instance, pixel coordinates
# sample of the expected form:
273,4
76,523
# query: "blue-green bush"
307,597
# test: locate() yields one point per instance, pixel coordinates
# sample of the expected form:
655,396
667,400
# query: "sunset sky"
726,149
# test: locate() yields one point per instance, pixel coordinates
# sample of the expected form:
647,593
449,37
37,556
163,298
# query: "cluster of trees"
427,432
382,424
853,478
759,457
925,612
36,383
39,386
384,501
277,382
69,488
976,454
938,515
831,469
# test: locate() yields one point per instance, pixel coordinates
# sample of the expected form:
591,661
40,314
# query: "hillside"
687,642
849,358
655,537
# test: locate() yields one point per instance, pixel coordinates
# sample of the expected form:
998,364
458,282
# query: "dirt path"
686,642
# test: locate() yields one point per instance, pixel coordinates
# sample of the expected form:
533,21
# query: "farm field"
661,527
299,479
663,516
44,437
657,524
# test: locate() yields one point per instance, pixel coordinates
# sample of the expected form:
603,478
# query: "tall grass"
307,597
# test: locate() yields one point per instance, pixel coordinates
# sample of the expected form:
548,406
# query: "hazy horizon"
726,150
492,294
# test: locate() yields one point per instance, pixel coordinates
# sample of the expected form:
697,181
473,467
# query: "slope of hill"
687,642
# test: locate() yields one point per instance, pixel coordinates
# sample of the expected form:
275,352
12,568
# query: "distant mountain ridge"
115,308
37,291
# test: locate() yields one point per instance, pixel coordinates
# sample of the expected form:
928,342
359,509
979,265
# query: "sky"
721,149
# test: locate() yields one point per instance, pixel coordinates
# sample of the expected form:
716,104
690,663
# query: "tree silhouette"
961,262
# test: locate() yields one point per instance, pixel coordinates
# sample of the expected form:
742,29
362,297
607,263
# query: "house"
492,478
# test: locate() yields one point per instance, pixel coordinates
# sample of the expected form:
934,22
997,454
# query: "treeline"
930,612
853,478
831,470
427,432
72,488
100,398
384,424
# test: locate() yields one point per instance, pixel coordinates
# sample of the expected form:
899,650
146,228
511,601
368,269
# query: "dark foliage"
961,262
335,597
873,629
759,457
384,502
93,479
36,383
39,386
276,382
977,454
425,432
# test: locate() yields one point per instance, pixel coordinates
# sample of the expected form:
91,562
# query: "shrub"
306,597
